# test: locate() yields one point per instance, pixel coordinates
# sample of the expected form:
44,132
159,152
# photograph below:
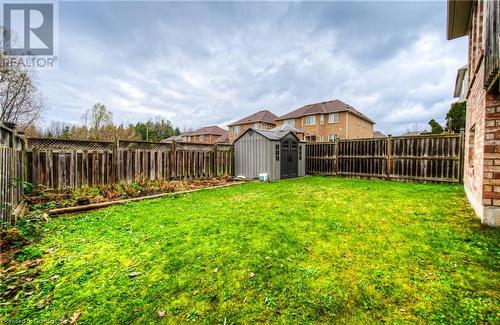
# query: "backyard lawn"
309,250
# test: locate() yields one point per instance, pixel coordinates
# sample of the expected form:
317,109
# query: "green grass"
322,250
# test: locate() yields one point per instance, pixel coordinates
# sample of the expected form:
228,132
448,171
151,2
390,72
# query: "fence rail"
58,164
11,174
428,158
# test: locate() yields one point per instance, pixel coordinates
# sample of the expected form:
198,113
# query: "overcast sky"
204,63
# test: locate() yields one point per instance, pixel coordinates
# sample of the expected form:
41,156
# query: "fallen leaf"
29,279
161,313
251,275
50,251
54,277
26,294
268,266
216,270
75,316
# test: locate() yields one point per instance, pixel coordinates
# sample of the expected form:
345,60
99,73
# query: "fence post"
389,157
337,150
461,154
173,161
216,161
116,160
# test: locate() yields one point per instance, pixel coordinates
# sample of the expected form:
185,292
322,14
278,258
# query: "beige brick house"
479,21
208,135
329,121
262,120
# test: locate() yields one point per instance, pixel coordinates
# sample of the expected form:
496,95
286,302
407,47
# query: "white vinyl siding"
311,120
333,118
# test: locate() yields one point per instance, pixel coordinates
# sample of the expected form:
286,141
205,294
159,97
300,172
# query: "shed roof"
271,135
287,127
261,116
332,106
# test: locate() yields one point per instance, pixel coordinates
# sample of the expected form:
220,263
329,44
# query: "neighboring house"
479,21
262,120
378,134
223,138
329,121
207,135
461,83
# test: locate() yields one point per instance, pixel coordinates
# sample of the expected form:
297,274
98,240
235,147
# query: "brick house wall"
348,126
205,138
482,132
234,132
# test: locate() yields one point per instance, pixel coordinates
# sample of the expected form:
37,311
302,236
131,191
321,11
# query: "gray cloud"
210,63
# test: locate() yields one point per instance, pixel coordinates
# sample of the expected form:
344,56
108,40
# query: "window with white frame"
311,120
332,137
202,138
290,122
236,129
333,118
256,125
321,119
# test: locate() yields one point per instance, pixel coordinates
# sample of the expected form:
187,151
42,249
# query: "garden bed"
45,201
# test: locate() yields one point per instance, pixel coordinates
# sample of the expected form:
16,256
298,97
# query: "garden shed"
279,154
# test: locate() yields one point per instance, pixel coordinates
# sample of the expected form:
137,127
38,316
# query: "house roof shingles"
212,130
332,106
378,134
261,116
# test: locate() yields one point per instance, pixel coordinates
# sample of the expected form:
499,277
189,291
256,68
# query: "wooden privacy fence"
425,157
58,164
11,174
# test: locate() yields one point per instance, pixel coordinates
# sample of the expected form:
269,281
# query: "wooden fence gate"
427,157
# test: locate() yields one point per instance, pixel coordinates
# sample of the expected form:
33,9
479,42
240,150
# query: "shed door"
289,158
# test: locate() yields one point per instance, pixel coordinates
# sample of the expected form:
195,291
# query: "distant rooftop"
261,116
213,130
332,106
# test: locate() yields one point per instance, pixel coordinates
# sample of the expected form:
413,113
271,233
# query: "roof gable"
332,106
212,130
261,116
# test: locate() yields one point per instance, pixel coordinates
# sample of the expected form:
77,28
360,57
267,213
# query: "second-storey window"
256,126
236,129
290,122
311,120
202,138
333,118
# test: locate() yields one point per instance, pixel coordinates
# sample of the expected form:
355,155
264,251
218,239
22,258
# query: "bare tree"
97,119
20,99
